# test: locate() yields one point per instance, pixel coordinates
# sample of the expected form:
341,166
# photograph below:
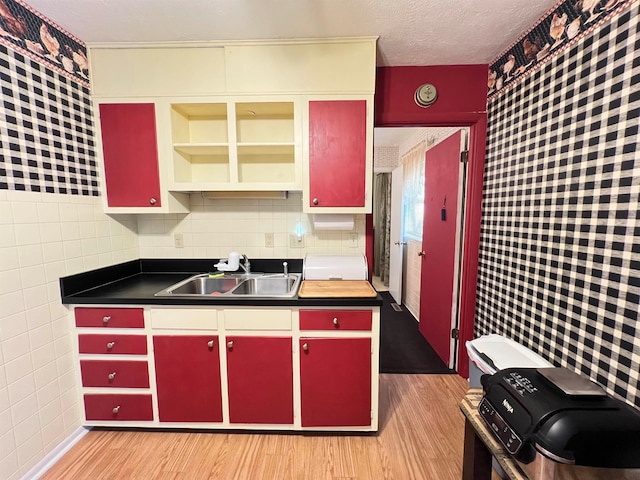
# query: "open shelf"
253,147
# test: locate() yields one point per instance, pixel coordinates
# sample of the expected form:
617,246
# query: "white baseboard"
54,455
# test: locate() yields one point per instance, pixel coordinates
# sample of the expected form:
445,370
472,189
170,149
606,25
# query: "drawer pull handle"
335,321
110,345
210,343
230,344
305,347
106,319
116,409
112,375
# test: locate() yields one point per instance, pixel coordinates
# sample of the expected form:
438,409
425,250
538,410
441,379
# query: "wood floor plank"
420,437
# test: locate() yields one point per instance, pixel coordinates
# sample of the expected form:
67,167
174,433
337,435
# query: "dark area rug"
403,349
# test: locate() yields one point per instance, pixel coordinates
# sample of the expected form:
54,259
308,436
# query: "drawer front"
114,373
335,319
118,407
252,319
184,318
113,344
110,317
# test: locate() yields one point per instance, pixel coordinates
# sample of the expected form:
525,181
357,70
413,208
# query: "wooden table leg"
476,463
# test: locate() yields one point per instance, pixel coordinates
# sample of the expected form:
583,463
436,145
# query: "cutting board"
336,289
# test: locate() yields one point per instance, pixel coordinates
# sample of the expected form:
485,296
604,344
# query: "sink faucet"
247,265
285,266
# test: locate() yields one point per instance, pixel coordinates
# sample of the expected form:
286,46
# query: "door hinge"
464,156
455,333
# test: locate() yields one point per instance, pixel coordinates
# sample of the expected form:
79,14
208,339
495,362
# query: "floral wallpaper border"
560,27
30,33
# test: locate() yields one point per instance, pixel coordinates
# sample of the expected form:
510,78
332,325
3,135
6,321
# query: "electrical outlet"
353,240
268,240
178,240
296,241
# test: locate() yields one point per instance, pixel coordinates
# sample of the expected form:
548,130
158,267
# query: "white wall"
44,237
216,227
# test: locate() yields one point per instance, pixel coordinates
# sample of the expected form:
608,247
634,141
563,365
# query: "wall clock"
426,95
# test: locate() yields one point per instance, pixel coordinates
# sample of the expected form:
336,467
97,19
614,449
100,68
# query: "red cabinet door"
337,153
260,380
335,382
188,378
130,153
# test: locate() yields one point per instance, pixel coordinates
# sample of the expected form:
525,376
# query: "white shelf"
231,146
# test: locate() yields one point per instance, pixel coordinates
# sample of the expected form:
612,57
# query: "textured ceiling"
411,32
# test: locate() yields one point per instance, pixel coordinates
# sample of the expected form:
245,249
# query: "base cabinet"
261,368
260,380
335,382
188,378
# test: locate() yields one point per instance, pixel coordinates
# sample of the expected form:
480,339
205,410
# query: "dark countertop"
136,282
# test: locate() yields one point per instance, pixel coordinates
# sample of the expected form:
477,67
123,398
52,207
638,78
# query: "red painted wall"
462,92
462,100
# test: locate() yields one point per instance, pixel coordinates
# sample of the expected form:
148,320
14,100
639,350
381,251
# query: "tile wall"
43,237
215,227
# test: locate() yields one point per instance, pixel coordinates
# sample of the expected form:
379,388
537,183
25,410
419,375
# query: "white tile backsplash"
37,371
216,227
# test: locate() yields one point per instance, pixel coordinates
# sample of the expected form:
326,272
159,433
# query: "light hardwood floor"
420,438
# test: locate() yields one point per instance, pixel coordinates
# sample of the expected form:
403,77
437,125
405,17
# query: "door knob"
152,201
106,319
110,345
210,343
315,201
230,344
305,347
422,254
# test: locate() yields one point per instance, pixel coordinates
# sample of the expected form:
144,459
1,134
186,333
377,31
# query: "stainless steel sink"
268,286
237,285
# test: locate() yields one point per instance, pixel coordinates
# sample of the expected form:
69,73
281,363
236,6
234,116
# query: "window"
413,192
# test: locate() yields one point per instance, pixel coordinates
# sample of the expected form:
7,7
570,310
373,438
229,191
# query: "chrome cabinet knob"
305,347
230,344
116,409
152,201
110,345
316,201
112,375
335,321
106,319
210,343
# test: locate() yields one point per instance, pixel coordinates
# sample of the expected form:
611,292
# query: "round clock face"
426,95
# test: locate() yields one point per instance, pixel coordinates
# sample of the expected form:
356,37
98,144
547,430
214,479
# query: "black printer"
562,415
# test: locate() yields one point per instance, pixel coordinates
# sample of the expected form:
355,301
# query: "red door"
260,380
337,153
439,243
335,382
130,154
188,378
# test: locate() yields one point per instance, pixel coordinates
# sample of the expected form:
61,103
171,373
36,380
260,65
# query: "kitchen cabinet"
235,144
340,158
130,159
113,367
130,154
188,381
260,379
335,382
278,367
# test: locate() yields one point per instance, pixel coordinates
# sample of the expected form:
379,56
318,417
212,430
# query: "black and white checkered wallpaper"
560,241
46,129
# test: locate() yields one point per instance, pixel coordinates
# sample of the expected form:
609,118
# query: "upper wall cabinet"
123,71
128,133
247,116
338,177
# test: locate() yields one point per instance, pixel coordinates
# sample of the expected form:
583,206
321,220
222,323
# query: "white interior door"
397,245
